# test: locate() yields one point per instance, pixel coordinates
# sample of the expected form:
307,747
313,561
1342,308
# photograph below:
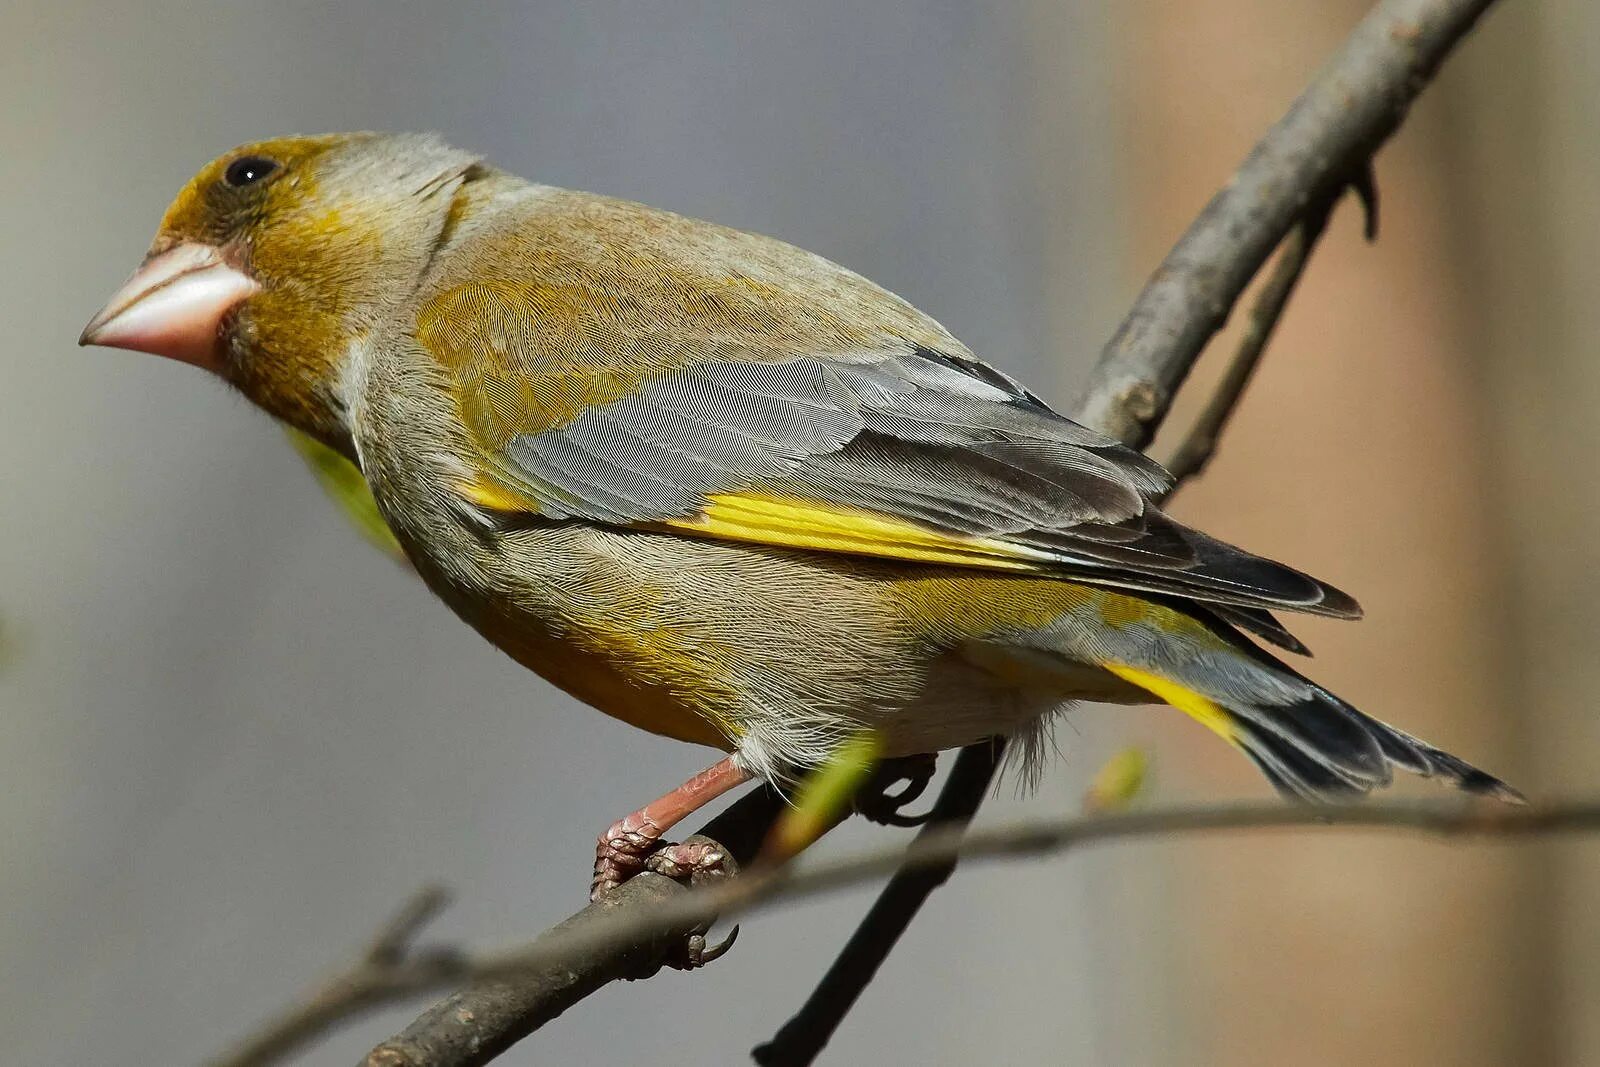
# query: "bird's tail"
1308,742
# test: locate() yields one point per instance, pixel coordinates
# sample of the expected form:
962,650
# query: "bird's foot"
627,849
876,803
622,852
695,862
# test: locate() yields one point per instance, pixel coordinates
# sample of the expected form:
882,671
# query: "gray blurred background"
233,737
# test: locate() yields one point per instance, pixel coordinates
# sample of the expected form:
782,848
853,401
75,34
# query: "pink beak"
173,306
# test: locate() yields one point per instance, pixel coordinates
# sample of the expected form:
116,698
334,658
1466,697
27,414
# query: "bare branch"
529,985
1328,134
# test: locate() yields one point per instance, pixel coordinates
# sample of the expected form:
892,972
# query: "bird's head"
279,256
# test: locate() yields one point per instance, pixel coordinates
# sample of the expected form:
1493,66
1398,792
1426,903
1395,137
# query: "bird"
719,487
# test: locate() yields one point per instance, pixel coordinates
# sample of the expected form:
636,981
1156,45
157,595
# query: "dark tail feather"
1324,749
1259,622
1221,566
1419,757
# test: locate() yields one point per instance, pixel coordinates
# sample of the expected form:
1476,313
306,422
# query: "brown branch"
503,1003
538,975
1353,106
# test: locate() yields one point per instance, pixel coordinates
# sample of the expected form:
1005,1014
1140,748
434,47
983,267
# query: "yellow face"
233,198
276,257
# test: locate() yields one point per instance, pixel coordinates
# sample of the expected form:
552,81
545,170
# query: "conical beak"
173,306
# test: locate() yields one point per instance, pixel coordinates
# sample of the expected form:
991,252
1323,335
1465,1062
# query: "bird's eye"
247,170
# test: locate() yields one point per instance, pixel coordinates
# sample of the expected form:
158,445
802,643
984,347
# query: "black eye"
247,170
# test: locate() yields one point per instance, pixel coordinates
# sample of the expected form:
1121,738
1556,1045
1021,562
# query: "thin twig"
1200,443
1453,818
806,1034
598,934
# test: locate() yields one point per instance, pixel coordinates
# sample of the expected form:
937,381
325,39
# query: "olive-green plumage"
729,491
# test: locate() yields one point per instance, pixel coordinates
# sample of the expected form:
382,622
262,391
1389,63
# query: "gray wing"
944,441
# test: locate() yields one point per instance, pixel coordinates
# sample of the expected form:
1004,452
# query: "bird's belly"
749,649
618,678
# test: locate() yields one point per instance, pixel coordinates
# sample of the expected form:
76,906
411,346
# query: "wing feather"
673,375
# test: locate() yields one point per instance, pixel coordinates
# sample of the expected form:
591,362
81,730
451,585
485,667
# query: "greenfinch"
719,487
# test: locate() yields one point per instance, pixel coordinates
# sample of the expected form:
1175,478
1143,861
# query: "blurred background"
233,737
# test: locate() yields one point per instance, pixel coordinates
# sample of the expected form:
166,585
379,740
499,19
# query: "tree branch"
1353,106
539,976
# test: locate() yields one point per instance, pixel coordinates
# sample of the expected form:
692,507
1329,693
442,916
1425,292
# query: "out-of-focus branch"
389,968
537,975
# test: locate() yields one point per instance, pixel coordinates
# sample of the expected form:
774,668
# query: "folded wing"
738,388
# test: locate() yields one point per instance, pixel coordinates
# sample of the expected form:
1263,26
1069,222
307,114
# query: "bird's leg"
634,841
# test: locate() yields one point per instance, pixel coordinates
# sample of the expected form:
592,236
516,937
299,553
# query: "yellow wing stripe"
790,522
491,495
1201,709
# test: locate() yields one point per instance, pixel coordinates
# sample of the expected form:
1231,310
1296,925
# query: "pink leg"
624,850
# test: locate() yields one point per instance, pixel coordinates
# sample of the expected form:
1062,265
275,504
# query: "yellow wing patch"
1206,712
488,494
792,522
789,522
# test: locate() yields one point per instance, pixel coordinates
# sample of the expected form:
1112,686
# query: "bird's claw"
695,953
694,862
